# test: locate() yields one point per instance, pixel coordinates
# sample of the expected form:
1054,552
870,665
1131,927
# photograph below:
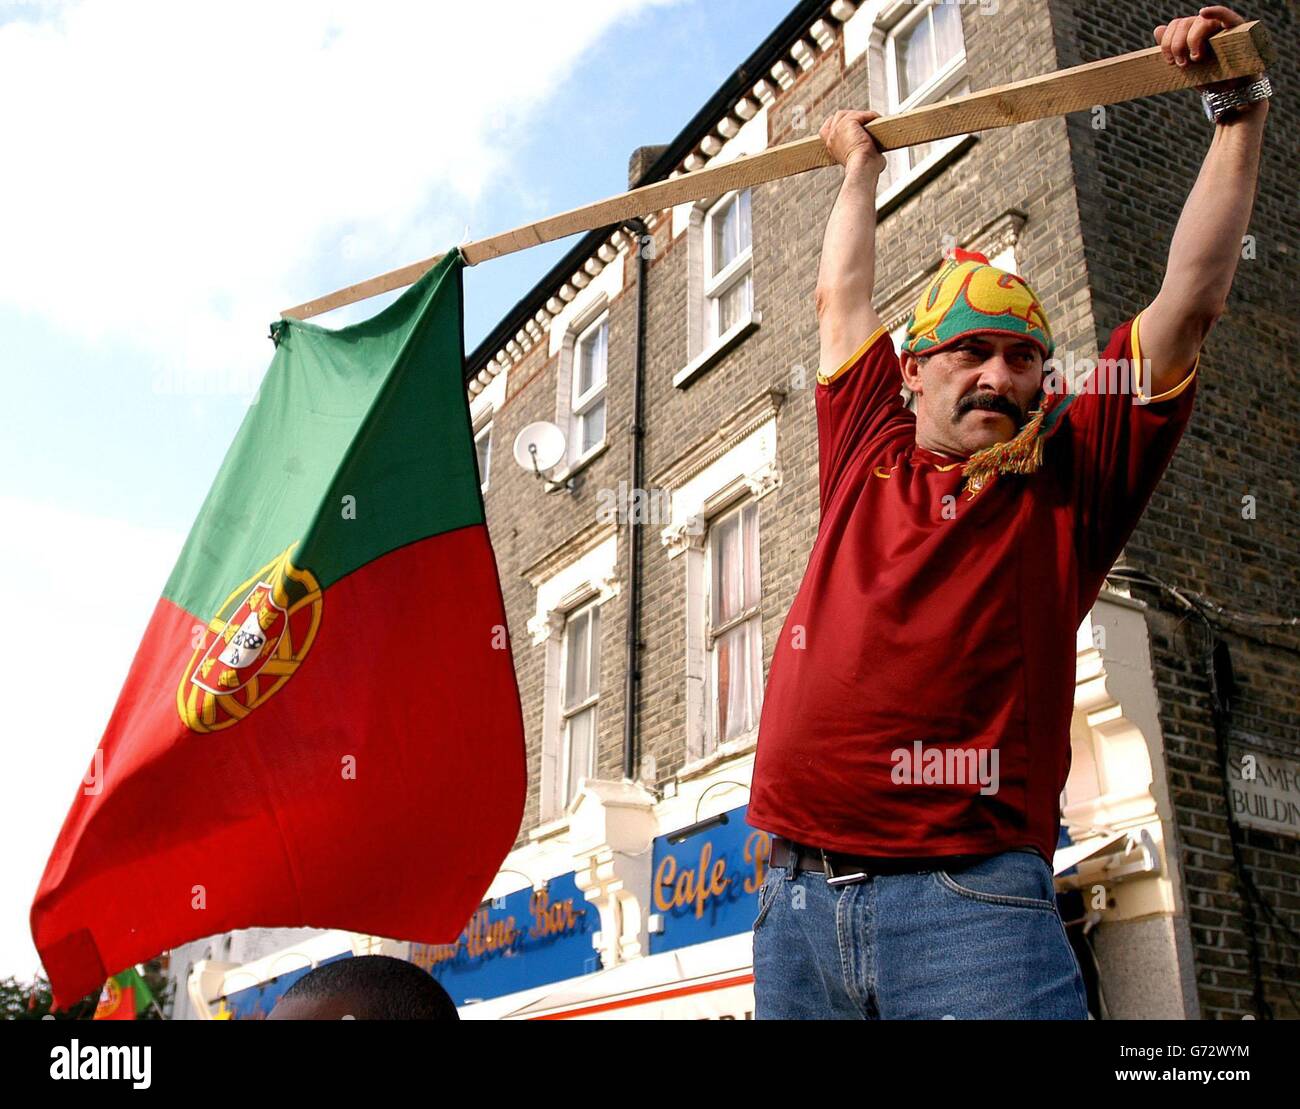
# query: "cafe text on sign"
677,886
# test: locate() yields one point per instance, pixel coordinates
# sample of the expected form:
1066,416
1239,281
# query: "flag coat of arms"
322,725
123,997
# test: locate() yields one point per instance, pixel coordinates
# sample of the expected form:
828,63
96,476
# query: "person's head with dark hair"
365,987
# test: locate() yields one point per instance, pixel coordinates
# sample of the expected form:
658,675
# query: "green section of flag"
359,442
132,980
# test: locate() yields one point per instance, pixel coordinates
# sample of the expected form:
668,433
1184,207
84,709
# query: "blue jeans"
984,941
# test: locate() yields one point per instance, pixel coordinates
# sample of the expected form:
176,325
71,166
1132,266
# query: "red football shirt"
932,625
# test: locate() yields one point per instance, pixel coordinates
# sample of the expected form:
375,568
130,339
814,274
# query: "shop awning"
1110,843
705,980
1066,858
498,1008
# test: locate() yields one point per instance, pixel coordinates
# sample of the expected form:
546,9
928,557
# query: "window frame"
590,610
935,89
942,73
716,286
484,430
582,404
751,614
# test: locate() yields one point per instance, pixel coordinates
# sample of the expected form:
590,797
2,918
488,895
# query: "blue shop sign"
706,886
256,1002
527,938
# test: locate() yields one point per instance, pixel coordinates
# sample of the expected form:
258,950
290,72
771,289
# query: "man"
365,987
914,738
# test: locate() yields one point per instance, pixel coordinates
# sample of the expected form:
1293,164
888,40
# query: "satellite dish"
539,446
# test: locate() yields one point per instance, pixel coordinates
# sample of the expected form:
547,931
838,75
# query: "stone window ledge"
580,464
733,749
895,195
549,829
728,340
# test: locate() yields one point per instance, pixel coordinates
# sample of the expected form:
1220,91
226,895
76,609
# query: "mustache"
987,402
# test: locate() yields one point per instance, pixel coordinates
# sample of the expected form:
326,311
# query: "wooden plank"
1239,52
372,287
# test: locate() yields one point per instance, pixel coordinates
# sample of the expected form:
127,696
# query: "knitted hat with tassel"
969,296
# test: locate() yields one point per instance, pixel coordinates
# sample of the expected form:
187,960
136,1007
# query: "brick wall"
1132,177
526,523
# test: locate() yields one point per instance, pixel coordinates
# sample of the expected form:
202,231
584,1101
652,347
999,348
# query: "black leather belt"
842,870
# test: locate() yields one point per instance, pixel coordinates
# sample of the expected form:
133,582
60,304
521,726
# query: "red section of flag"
115,1002
377,792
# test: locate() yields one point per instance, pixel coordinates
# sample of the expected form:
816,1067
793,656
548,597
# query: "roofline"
771,50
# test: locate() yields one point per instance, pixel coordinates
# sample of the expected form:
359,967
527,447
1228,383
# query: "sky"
175,175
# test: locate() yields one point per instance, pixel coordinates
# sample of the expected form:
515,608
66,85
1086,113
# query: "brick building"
702,524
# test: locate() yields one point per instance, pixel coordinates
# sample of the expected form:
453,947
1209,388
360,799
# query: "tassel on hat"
1022,453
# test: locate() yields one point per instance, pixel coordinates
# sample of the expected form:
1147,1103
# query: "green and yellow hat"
970,295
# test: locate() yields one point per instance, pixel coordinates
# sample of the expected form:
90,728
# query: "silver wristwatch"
1220,106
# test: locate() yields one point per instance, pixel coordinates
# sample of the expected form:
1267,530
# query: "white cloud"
78,593
177,173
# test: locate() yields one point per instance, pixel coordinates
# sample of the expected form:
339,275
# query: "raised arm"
1207,242
847,274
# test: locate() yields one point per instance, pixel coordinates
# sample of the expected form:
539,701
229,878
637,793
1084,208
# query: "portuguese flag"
322,726
123,997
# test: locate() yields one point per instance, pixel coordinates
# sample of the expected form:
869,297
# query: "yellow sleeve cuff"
826,379
1168,394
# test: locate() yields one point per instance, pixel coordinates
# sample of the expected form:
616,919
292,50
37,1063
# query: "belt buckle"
833,879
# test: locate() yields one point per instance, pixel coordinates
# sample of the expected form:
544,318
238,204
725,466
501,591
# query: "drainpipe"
631,700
